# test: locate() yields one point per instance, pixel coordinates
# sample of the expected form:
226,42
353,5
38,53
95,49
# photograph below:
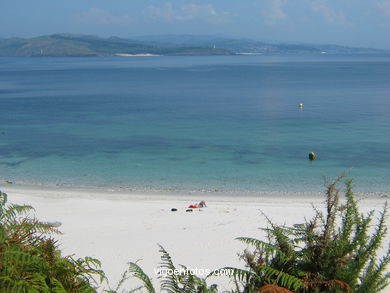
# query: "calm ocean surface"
191,123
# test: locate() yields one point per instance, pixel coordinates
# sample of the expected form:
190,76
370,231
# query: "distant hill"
251,46
82,45
85,45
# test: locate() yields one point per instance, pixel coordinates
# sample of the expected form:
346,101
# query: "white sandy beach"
136,55
117,227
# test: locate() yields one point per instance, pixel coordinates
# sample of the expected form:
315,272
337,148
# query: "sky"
359,23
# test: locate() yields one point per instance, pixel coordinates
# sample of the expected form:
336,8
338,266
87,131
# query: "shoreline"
123,192
136,55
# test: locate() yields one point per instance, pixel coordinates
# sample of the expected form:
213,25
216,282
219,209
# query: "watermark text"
163,272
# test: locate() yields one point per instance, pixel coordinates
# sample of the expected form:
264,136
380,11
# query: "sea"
196,123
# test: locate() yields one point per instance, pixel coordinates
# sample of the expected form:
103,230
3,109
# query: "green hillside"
75,45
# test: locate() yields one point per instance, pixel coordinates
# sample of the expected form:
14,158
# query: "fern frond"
3,200
374,279
16,261
271,251
57,286
12,211
236,273
351,215
188,281
121,281
35,226
37,282
88,267
34,282
137,272
169,282
380,232
138,289
328,284
259,244
275,276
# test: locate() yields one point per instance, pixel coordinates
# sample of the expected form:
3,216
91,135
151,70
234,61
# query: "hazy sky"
363,23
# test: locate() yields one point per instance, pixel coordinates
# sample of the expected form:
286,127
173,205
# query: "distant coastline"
65,45
69,45
136,55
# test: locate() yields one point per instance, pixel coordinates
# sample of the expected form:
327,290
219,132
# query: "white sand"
136,55
118,228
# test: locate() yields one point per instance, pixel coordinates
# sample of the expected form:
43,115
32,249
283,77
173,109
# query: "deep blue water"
222,122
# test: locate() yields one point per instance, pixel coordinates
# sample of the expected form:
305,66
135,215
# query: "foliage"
333,252
30,261
172,279
83,45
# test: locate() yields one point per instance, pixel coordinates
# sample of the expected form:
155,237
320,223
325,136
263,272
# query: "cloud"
185,12
191,11
165,13
384,6
102,17
328,13
276,12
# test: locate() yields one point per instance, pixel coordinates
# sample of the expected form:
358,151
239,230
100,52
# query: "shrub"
182,282
333,252
30,260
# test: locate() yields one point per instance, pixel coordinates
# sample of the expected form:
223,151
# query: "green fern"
31,262
57,286
333,251
270,249
180,280
170,282
138,273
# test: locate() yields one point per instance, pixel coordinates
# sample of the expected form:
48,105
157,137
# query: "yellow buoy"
301,105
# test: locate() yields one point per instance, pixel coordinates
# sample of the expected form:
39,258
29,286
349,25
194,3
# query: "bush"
30,260
333,252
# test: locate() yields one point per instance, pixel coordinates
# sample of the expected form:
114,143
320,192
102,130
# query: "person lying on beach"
202,204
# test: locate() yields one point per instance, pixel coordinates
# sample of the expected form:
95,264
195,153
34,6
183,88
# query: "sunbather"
202,204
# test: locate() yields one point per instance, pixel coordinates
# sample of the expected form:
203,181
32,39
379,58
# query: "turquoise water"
222,122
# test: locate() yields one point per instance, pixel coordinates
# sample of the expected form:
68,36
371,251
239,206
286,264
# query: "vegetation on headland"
334,252
245,45
78,45
85,45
